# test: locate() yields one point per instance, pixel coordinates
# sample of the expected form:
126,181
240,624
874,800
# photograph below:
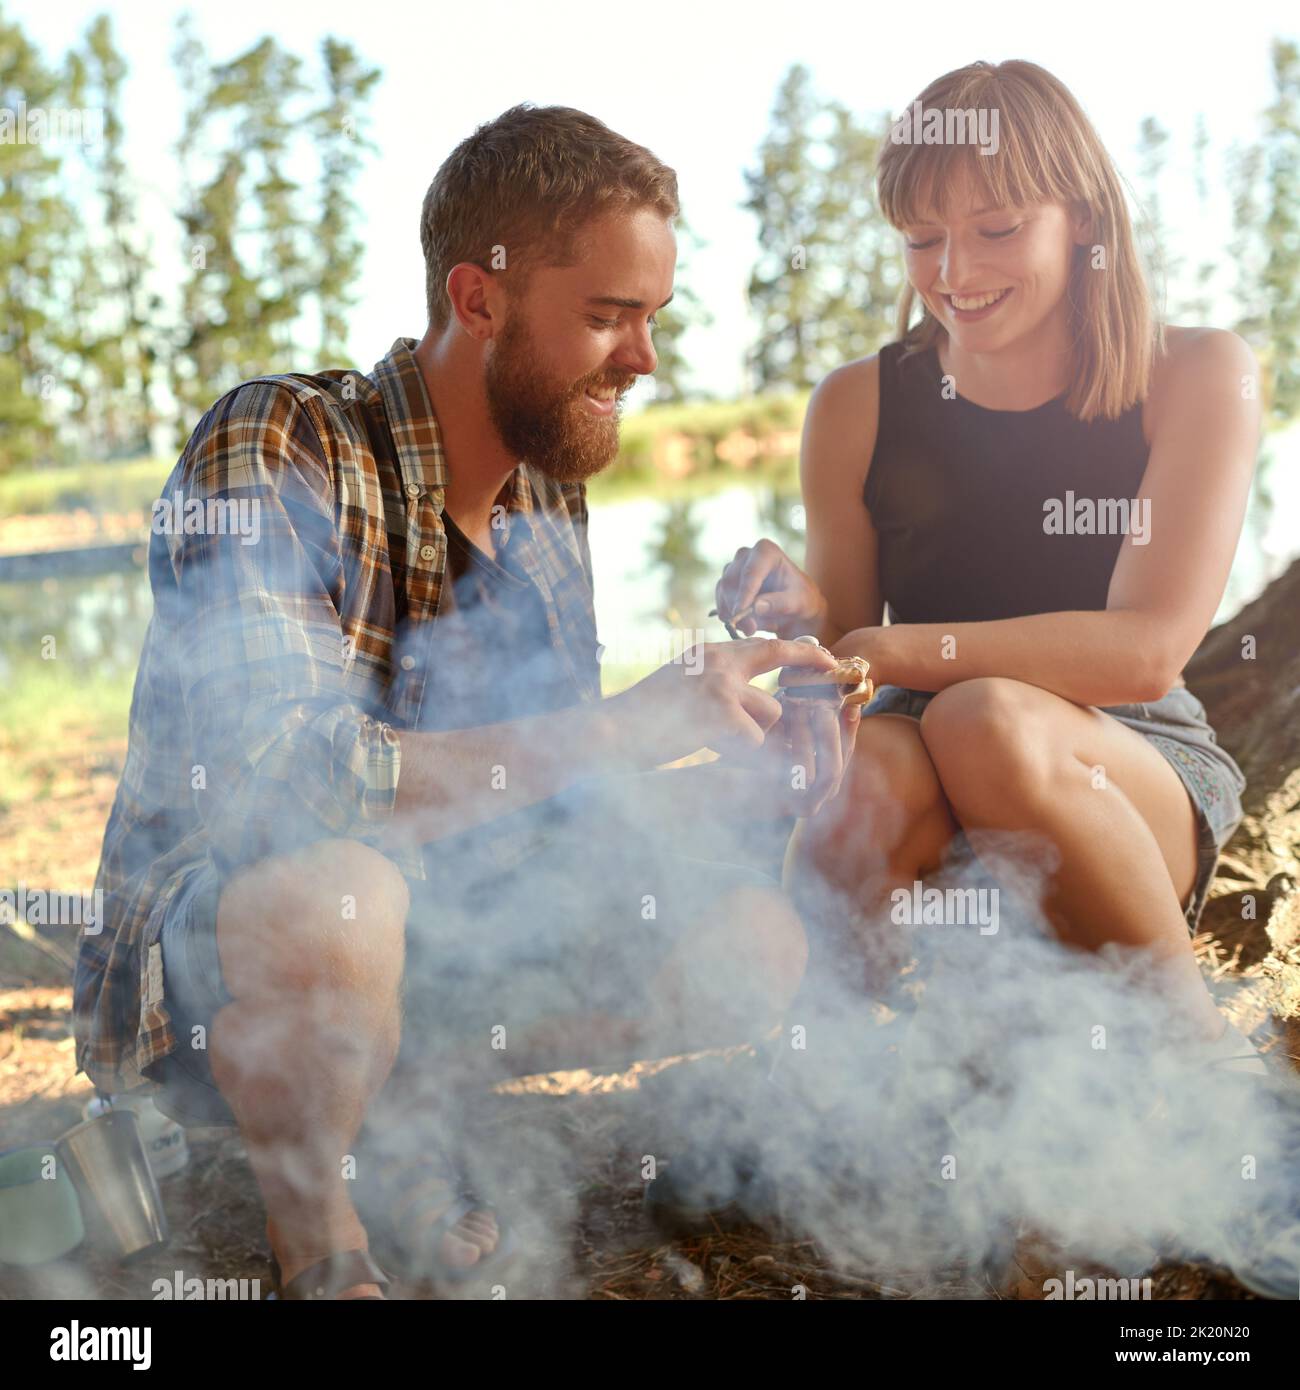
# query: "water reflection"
692,541
781,519
95,621
678,549
656,563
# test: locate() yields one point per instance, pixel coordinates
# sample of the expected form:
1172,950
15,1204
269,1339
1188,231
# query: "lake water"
656,564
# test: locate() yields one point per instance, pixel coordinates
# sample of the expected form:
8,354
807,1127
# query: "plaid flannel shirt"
274,673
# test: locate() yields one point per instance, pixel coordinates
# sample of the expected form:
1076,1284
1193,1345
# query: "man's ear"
468,290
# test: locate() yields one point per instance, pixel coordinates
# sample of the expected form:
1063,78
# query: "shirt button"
427,552
413,489
408,663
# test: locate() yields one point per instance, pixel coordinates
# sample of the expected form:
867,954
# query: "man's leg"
725,981
603,949
311,946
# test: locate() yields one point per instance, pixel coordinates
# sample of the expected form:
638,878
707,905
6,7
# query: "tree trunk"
1247,674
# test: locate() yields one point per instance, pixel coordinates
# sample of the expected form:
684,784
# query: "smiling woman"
1039,487
1040,228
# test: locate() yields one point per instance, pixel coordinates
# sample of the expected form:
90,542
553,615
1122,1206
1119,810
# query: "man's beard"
544,423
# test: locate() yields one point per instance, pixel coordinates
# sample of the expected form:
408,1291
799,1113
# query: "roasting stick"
735,618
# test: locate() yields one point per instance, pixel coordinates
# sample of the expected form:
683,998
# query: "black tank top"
956,493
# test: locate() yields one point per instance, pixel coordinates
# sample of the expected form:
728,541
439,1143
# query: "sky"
692,81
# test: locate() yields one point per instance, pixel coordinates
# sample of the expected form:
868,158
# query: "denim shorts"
565,907
1175,725
194,990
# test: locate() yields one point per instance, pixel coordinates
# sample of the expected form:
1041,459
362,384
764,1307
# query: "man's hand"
807,753
705,700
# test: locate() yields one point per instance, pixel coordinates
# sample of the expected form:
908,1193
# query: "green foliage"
1281,275
92,358
829,270
36,223
245,234
336,127
99,487
672,375
704,424
114,332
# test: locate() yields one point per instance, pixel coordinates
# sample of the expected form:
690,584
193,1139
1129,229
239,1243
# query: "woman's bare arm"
839,437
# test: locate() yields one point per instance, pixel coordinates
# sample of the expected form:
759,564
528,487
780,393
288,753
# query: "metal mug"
163,1138
110,1167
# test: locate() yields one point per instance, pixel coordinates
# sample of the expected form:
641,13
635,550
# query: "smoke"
1006,1084
1022,1086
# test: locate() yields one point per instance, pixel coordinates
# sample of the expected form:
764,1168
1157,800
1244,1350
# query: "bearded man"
375,809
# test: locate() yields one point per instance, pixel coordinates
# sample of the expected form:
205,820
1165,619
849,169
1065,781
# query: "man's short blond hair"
514,195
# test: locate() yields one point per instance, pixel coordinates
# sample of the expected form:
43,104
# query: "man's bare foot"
472,1238
291,1267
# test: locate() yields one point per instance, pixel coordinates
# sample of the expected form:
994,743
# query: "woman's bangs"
919,181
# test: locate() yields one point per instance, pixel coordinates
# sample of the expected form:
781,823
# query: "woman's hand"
785,601
871,643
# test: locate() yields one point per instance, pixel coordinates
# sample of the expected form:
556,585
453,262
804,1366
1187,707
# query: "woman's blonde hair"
1047,151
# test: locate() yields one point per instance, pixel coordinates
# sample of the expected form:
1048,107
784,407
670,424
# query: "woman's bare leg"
1011,756
888,827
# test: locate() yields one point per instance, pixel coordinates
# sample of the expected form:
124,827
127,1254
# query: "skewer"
735,618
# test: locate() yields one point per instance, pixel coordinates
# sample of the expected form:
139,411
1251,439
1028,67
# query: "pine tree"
783,195
672,375
829,270
250,268
337,130
118,319
36,222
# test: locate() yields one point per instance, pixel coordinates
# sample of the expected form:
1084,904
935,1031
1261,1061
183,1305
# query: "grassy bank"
43,701
133,485
98,487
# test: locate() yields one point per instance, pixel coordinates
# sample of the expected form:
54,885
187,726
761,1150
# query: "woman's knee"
989,738
332,911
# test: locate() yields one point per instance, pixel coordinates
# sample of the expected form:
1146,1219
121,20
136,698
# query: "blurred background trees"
112,346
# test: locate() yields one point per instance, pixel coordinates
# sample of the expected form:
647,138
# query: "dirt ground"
216,1217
